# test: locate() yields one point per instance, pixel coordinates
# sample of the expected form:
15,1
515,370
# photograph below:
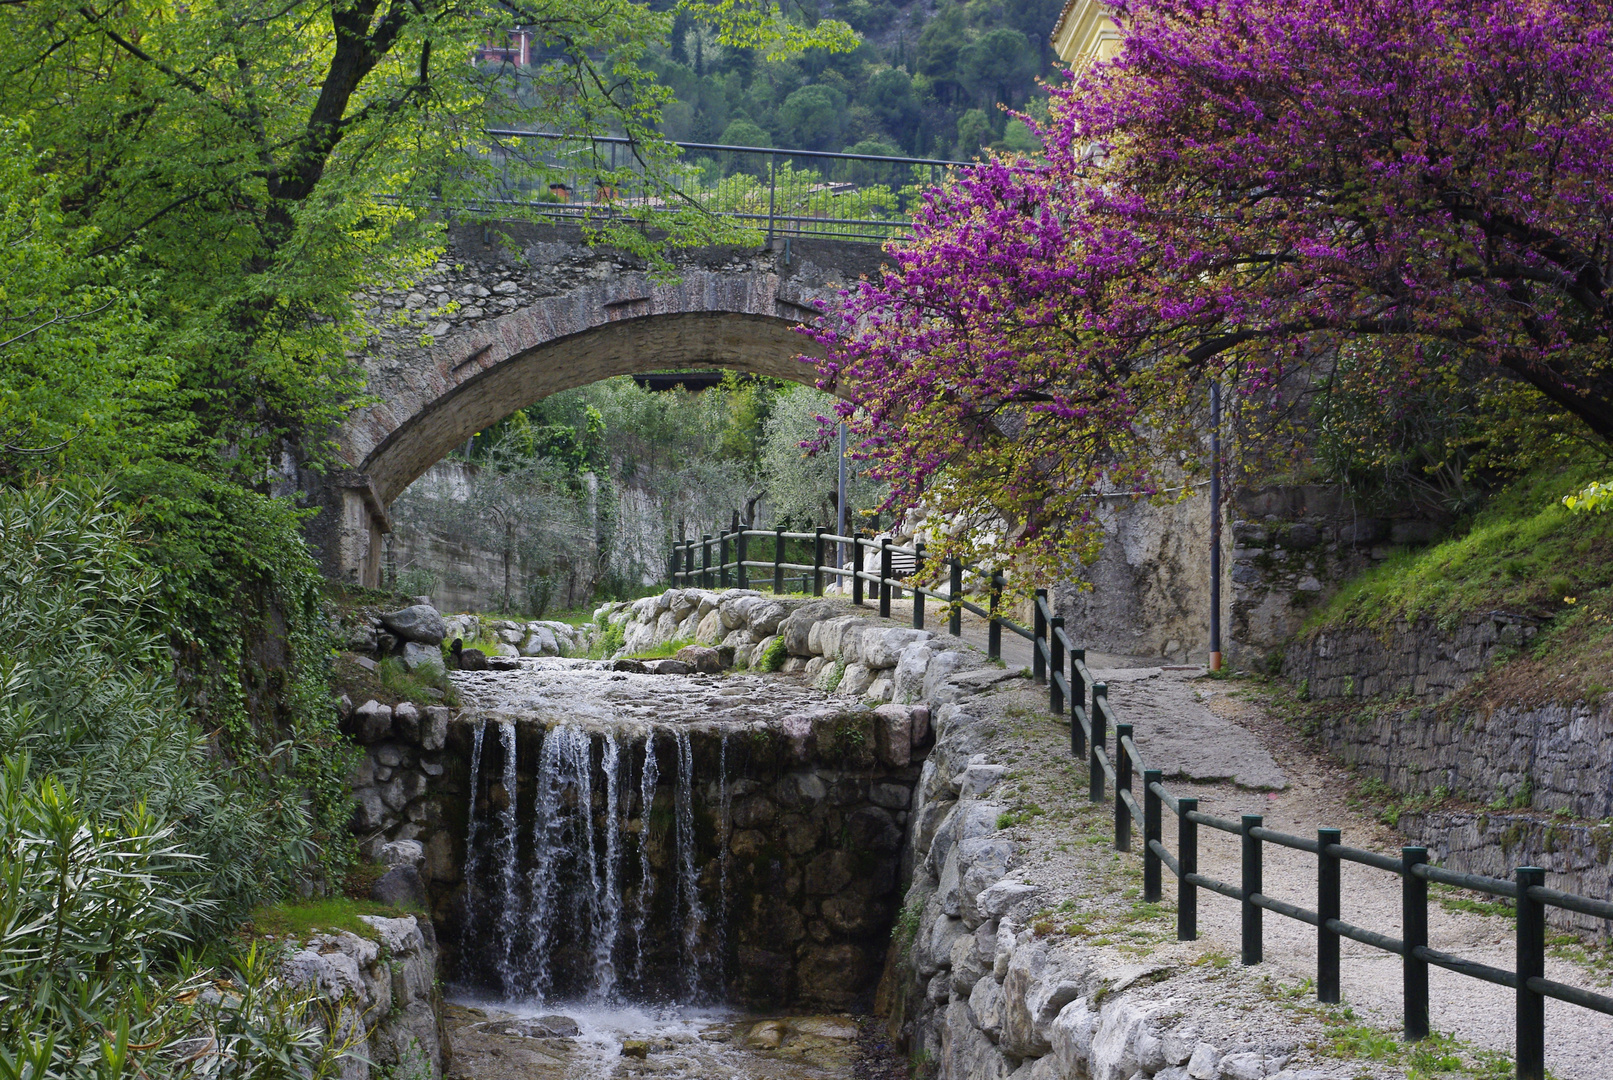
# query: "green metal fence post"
918,585
1039,637
1122,783
1055,646
1078,705
778,560
1252,884
722,559
1152,812
857,569
817,561
994,631
1187,857
1328,908
1100,736
1531,1004
740,556
884,577
1414,932
705,561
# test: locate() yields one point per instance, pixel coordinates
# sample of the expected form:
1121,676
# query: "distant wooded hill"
929,80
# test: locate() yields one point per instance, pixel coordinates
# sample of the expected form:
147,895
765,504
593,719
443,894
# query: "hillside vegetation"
1524,553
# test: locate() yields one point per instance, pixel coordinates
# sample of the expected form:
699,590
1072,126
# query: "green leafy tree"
814,117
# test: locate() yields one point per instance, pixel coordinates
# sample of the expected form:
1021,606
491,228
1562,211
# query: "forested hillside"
928,80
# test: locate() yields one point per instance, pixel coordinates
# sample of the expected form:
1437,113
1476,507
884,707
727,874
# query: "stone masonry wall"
1417,660
383,996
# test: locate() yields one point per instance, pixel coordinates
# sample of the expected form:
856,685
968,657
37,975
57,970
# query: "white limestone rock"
855,682
881,647
986,1007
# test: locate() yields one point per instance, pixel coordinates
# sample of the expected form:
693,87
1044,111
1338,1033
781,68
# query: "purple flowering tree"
1248,185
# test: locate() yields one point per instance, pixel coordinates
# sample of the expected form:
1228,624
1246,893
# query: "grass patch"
1523,553
303,918
663,650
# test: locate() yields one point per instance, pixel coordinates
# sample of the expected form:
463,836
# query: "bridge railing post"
772,190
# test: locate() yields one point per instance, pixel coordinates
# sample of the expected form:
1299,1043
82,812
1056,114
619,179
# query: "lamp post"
1215,526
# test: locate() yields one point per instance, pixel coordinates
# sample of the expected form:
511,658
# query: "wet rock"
635,1048
668,667
636,667
419,623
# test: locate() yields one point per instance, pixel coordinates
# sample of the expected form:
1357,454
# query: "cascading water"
688,876
569,921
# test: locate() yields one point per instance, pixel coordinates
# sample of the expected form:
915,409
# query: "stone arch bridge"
540,311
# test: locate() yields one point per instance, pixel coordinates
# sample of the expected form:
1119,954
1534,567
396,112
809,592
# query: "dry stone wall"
1408,660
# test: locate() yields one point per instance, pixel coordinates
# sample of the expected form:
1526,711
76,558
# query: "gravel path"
1164,707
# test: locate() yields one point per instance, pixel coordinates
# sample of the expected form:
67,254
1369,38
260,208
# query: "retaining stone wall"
1416,660
383,996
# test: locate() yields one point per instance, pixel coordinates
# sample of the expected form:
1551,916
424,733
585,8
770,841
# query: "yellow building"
1085,31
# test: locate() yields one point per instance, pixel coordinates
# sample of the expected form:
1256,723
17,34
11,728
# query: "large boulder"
419,623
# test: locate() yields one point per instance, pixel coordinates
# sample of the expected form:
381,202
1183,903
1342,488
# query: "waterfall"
648,778
551,921
473,854
504,856
547,848
688,874
608,877
725,828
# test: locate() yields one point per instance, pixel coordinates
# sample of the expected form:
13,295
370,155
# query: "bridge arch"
549,315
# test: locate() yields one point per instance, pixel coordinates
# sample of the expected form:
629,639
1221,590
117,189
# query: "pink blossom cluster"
1247,183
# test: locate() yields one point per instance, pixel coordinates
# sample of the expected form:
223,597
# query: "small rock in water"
635,1048
538,1027
668,667
768,1035
635,667
503,663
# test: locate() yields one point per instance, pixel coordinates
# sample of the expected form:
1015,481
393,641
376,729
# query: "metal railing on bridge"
879,570
782,192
